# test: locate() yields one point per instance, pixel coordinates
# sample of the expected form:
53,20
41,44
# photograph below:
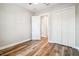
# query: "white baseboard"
77,48
50,41
44,36
73,47
14,44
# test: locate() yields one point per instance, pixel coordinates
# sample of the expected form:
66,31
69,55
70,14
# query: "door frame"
44,14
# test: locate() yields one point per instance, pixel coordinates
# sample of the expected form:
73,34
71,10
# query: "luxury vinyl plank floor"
41,48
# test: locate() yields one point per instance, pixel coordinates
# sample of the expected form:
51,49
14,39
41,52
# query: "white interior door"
35,28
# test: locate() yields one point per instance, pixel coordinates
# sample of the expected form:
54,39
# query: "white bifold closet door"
68,26
62,27
55,28
35,28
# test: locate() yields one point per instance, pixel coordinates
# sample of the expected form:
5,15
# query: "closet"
62,26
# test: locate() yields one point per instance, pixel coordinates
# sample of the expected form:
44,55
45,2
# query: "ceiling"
36,7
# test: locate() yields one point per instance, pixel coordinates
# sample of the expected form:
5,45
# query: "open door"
44,23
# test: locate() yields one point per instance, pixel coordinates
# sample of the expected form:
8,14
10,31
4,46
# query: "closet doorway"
44,27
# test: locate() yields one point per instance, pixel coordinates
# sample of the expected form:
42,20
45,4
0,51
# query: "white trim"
65,45
44,36
50,41
14,44
36,39
54,42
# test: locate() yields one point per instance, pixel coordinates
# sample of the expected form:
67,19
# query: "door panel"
35,27
56,27
68,26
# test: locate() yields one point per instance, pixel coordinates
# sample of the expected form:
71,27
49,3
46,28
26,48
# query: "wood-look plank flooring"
41,48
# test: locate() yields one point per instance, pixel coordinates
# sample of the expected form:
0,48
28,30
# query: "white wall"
77,26
15,24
